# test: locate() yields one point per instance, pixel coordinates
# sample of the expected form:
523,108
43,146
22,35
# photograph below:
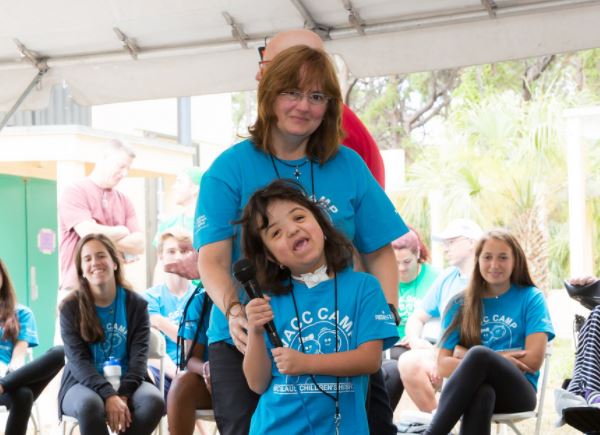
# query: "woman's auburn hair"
469,314
300,67
270,276
90,327
8,304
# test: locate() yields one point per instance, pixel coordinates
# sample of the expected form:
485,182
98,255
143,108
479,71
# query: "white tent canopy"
192,47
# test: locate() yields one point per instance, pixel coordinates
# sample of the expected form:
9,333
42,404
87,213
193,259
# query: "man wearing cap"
418,365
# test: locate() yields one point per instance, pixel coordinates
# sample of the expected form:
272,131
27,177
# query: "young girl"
20,383
101,322
495,342
333,322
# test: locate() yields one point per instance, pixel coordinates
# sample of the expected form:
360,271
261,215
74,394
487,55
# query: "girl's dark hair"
468,316
8,305
269,275
90,327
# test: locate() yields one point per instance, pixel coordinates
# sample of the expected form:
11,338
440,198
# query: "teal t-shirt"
294,404
506,321
410,293
343,187
114,323
28,333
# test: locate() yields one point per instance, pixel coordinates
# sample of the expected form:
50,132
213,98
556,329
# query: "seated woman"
190,390
495,340
416,276
20,383
104,323
586,373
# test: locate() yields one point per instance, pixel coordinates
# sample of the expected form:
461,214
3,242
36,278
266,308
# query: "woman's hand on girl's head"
117,413
290,361
258,313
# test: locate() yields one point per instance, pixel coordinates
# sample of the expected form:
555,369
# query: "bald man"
357,136
379,412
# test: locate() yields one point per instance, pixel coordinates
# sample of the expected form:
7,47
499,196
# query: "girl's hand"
290,361
117,413
258,313
515,358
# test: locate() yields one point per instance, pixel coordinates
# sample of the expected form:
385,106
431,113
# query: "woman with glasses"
296,136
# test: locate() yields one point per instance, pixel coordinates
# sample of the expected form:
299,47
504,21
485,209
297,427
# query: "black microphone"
244,272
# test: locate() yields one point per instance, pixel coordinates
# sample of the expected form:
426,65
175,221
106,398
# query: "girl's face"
496,263
408,265
97,265
294,237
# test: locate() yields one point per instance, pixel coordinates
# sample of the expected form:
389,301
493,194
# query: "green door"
13,233
28,235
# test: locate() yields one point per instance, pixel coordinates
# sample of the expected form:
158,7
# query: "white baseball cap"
459,228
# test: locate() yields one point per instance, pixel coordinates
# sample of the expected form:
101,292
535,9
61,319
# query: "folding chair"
510,420
35,411
206,415
158,350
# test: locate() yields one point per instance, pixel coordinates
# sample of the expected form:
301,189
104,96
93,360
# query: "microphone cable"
206,305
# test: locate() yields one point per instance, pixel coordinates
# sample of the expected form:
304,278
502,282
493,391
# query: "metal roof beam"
128,43
354,18
490,6
236,30
309,21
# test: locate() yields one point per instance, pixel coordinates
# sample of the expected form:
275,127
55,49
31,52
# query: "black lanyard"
337,417
312,172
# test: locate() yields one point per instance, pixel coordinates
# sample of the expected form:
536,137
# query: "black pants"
234,402
391,376
146,406
484,383
25,384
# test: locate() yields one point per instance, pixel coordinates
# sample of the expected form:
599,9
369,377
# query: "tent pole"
18,103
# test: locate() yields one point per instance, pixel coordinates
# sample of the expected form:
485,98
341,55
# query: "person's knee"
22,398
92,405
412,366
56,357
478,355
183,385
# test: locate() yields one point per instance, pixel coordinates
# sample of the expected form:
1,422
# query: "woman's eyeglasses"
314,98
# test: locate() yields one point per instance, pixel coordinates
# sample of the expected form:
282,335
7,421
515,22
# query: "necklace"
336,399
297,172
296,167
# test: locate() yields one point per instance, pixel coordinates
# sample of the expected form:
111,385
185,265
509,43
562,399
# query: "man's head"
173,244
459,239
187,186
287,39
114,165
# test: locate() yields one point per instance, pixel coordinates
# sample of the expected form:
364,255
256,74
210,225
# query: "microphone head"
243,270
